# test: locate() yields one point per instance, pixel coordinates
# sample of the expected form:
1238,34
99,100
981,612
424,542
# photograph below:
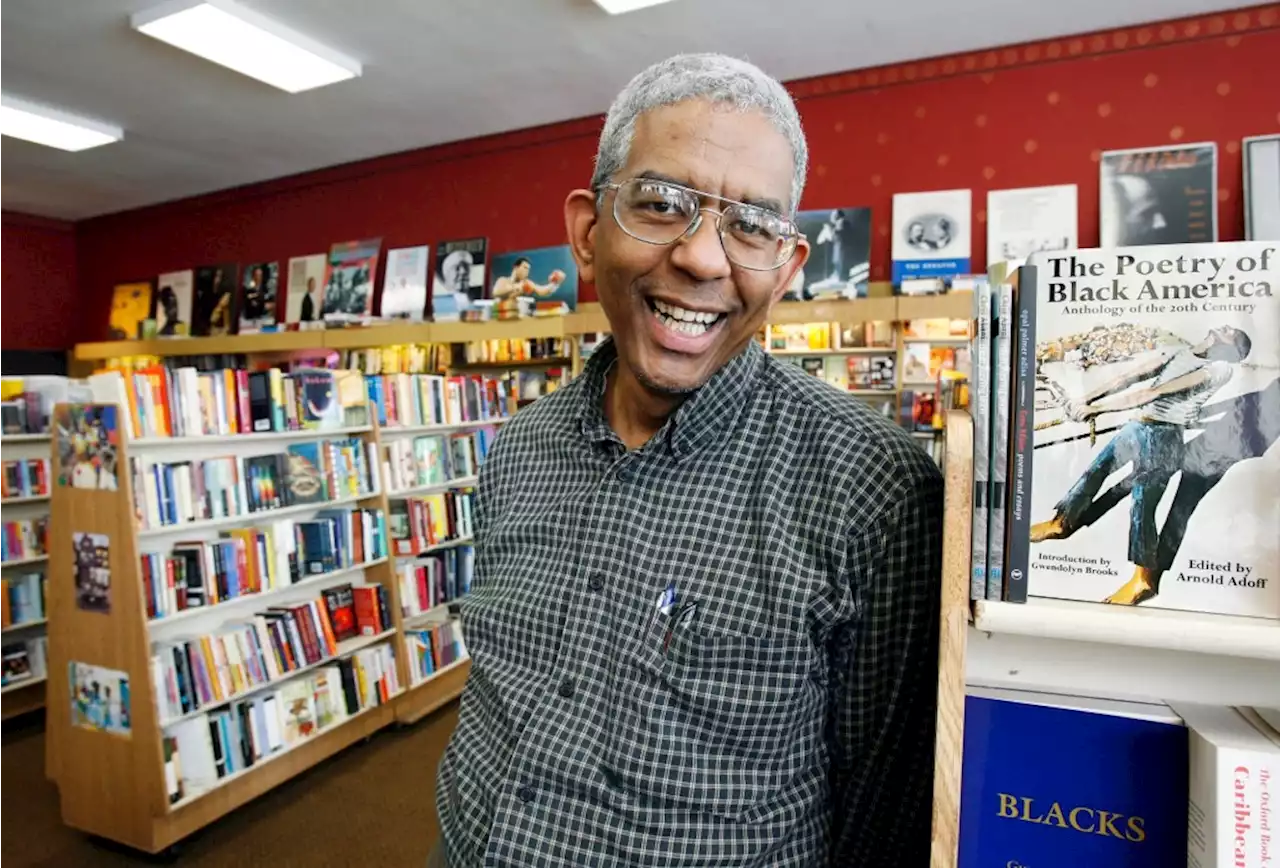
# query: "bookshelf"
113,785
28,694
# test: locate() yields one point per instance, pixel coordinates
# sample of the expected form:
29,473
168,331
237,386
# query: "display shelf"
252,600
951,305
443,428
346,648
447,544
548,362
874,393
23,685
587,319
460,482
25,625
850,351
378,335
430,616
18,501
515,329
23,697
244,518
23,438
262,437
211,346
25,562
1133,626
441,672
438,689
834,310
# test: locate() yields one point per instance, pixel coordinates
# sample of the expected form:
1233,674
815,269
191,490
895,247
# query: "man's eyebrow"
765,203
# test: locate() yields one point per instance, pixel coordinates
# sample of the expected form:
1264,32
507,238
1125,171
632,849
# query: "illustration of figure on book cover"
1174,407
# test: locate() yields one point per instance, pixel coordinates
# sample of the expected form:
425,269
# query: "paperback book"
214,312
305,296
1156,415
1166,195
404,286
348,283
258,297
839,264
459,278
931,234
175,294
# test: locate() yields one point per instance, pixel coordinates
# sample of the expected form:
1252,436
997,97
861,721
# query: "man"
308,311
703,624
1179,386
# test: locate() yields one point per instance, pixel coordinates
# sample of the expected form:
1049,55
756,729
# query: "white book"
271,714
1231,817
199,771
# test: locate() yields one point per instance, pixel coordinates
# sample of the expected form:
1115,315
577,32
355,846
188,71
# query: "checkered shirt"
780,714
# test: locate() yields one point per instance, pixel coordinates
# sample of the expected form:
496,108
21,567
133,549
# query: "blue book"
1100,784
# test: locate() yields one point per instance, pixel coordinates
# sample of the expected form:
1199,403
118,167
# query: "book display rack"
24,571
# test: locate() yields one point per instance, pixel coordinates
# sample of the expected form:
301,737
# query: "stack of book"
435,579
25,477
418,524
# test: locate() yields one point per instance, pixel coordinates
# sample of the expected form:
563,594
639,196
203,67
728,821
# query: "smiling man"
704,616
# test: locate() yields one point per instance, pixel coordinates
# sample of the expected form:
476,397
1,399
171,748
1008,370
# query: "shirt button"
526,794
596,582
626,473
568,688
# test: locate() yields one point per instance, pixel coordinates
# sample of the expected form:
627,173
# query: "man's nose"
700,253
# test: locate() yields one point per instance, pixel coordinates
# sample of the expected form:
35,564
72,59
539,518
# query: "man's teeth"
688,322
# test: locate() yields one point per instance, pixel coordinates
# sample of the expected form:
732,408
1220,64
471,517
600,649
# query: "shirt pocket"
716,721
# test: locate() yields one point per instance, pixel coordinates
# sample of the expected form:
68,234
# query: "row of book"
176,492
1124,419
25,538
435,459
500,350
165,401
26,403
418,524
26,660
435,579
860,373
411,400
251,560
433,647
208,670
1164,785
25,477
23,599
803,337
202,750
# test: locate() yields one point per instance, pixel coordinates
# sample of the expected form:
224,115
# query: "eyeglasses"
660,212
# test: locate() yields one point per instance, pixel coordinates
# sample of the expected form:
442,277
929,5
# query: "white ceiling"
434,71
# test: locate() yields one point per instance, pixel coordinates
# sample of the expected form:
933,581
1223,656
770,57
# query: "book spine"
1018,525
981,360
999,469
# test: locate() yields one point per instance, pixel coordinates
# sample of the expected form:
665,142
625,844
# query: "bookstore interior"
251,378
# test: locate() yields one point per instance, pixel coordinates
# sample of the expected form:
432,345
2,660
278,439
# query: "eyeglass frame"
696,223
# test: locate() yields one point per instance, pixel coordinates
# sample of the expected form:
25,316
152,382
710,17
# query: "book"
215,300
931,234
304,295
981,408
1162,195
257,303
1002,300
130,305
348,280
839,264
1027,798
175,297
459,279
1157,407
528,281
404,286
1025,220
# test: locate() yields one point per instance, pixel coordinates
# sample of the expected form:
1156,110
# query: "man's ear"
787,273
580,224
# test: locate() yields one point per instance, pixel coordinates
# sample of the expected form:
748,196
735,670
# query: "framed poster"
1262,188
1165,195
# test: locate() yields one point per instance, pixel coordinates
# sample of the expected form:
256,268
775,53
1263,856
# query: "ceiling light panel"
54,128
617,7
241,39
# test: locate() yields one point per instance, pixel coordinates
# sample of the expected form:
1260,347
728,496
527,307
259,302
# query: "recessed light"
617,7
241,39
49,126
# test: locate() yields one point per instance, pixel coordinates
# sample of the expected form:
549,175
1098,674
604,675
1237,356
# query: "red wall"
1009,117
38,279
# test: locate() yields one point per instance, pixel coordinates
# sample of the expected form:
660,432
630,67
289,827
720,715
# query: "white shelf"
264,437
13,501
222,782
466,658
25,562
24,438
430,616
346,648
1131,626
232,604
443,428
26,682
848,351
249,517
447,544
874,393
26,625
460,482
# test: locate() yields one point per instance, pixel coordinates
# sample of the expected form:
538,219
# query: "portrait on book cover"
404,286
92,567
839,264
100,699
130,305
1165,195
931,235
459,277
526,281
304,292
214,309
1155,450
258,296
86,441
174,298
348,283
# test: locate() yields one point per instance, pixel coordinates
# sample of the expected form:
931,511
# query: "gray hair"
715,77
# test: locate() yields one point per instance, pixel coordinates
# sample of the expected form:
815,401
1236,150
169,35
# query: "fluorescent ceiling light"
243,40
617,7
47,126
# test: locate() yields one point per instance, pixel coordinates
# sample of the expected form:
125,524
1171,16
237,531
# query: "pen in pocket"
679,618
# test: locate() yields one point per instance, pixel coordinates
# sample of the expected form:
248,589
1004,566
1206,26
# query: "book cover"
1002,288
527,278
1261,187
1156,419
1164,195
317,398
404,286
980,350
175,298
459,278
130,305
304,478
258,297
1030,219
1027,799
348,280
931,234
304,296
839,264
213,312
340,604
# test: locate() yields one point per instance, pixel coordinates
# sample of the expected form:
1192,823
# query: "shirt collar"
707,411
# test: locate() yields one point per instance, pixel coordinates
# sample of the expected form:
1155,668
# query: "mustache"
698,296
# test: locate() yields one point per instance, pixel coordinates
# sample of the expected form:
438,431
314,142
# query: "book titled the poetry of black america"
1152,447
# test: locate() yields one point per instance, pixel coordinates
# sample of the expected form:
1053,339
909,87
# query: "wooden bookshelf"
113,785
27,695
222,345
22,697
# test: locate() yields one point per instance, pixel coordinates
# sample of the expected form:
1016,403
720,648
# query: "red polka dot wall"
1011,116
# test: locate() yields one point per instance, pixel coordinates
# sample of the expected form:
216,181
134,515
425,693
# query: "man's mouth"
684,321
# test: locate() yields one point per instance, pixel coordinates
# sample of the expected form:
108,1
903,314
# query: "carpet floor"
372,804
